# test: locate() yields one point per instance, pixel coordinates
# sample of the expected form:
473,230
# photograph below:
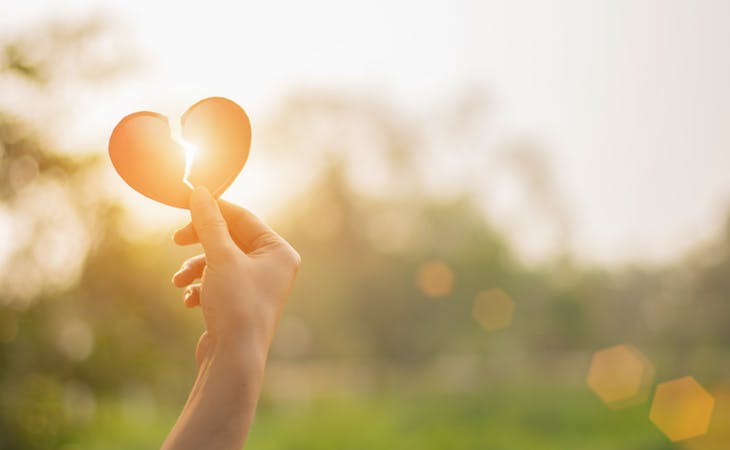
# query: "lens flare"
621,376
682,409
435,278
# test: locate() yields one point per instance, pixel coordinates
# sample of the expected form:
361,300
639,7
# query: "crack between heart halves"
191,151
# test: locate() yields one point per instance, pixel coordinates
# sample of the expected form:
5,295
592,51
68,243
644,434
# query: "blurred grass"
100,356
515,418
115,428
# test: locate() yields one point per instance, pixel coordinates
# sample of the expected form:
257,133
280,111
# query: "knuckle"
293,259
265,240
296,257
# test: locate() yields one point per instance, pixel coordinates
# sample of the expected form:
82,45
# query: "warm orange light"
164,169
435,278
682,409
718,435
620,376
493,309
191,152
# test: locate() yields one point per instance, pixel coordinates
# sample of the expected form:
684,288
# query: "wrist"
250,332
241,354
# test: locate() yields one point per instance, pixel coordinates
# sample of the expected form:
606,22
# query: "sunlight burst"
191,152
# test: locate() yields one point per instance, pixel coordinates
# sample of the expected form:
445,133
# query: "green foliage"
560,419
101,357
511,418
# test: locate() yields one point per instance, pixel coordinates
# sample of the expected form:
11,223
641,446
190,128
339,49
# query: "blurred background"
514,218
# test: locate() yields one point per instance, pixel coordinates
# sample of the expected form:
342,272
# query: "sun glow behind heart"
191,152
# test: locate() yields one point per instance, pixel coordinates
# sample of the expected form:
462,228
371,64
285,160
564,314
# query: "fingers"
191,270
209,224
248,231
191,297
185,235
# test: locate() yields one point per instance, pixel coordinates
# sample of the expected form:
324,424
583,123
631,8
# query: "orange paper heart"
154,164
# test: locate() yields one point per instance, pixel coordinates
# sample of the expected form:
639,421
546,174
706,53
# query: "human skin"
246,273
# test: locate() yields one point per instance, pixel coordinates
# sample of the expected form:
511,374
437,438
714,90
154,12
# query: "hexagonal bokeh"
682,409
493,309
621,376
435,278
718,435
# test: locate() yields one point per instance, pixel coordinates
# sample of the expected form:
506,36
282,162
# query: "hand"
246,274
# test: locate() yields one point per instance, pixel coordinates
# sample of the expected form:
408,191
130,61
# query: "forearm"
222,403
245,277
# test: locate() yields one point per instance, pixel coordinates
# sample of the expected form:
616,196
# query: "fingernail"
200,197
188,293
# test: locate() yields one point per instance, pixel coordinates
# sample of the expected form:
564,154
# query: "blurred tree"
84,312
88,317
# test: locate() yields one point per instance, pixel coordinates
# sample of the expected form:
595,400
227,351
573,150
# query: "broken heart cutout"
216,136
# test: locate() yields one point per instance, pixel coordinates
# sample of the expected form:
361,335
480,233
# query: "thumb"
209,224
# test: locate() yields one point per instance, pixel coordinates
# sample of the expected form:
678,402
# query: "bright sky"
630,97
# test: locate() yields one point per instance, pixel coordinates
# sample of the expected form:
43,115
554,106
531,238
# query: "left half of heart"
213,148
